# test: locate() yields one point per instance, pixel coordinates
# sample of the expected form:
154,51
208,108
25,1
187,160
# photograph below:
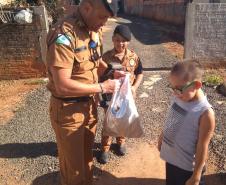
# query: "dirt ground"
12,94
175,48
141,166
11,172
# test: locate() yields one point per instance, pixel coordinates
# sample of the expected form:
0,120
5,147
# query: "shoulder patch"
63,39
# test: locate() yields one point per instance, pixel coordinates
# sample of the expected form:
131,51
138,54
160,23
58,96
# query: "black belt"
75,99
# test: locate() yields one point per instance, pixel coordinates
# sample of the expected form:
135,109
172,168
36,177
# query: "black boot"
104,157
121,150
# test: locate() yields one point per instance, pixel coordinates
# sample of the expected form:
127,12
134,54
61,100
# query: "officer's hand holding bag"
122,118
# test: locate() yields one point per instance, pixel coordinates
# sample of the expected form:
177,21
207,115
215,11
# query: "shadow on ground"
28,150
216,179
47,179
150,32
106,178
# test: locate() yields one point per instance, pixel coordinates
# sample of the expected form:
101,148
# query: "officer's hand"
109,86
119,74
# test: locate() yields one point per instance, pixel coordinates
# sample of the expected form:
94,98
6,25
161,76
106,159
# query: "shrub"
213,80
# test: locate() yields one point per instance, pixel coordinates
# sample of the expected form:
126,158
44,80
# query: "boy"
121,57
189,126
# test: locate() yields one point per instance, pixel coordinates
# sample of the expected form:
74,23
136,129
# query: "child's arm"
160,140
136,84
206,129
139,77
138,80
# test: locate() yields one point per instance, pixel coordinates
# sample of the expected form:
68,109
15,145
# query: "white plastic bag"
23,16
122,118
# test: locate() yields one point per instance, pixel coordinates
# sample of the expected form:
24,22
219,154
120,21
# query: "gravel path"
27,143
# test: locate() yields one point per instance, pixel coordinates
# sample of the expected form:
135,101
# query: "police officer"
73,58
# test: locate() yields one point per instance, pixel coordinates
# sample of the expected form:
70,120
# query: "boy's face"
120,44
184,90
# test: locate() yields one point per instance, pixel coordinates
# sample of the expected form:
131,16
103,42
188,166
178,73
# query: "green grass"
213,80
35,82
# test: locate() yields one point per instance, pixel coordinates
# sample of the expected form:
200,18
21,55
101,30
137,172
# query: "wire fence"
52,6
6,16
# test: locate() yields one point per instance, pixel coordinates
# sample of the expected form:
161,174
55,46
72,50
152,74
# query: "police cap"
124,31
109,5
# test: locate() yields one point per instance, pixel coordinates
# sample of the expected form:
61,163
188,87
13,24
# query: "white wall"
4,2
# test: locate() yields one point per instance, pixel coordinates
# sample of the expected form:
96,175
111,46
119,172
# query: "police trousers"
74,125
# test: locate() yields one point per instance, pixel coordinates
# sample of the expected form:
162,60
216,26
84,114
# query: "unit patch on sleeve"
63,39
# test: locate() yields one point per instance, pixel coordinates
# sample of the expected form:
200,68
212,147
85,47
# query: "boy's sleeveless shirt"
180,133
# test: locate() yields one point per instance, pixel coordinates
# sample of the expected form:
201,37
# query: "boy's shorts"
178,176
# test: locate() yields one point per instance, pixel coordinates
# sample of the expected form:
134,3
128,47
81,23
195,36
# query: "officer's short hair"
109,5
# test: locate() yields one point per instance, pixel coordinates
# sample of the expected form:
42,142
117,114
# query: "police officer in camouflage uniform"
73,57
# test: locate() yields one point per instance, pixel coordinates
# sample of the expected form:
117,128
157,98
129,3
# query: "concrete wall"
22,50
205,30
171,11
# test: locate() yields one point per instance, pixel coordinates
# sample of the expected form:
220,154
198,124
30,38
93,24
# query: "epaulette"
95,37
63,33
